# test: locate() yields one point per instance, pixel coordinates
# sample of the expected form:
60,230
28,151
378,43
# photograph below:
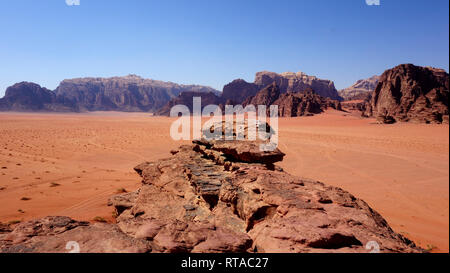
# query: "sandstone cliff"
411,93
298,82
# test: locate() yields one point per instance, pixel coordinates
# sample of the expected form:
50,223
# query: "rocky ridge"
129,94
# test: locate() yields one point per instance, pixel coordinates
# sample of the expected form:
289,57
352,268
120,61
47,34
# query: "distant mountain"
129,93
360,90
411,93
239,90
31,97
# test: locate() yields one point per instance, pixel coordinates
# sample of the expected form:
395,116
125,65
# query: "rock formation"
305,103
411,93
129,93
298,82
239,90
360,90
219,196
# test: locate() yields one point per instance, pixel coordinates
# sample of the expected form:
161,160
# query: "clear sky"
212,42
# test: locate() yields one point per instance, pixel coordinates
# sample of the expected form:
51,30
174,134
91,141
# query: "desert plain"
70,164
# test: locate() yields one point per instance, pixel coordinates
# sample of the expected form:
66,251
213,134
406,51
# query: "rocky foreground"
218,196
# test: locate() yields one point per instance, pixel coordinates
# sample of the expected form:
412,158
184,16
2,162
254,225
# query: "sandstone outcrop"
411,93
219,196
207,189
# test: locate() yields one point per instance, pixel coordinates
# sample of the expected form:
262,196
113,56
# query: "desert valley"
387,143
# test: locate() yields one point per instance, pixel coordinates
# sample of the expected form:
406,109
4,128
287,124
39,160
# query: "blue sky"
212,42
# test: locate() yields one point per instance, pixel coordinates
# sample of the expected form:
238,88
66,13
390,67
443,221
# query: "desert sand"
70,164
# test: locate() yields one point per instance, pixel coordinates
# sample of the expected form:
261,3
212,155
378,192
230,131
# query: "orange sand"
401,170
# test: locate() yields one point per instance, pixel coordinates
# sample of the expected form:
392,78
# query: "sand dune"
69,164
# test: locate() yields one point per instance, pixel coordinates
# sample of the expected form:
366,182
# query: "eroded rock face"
298,82
411,93
220,196
305,103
